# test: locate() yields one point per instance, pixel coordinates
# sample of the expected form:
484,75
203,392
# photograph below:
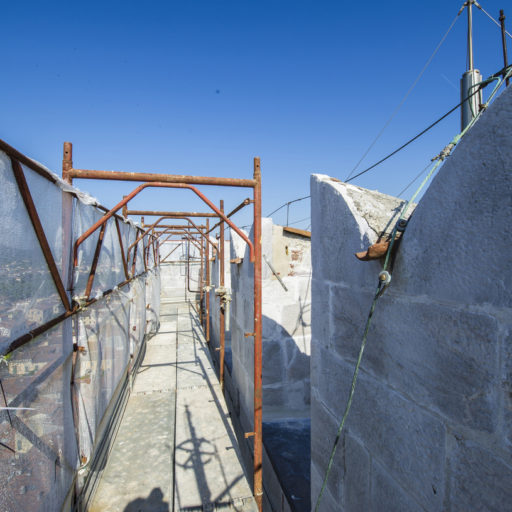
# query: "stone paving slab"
175,431
138,476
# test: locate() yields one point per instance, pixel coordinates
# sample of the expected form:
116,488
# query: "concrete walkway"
175,449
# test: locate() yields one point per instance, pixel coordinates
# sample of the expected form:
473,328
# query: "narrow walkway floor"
175,449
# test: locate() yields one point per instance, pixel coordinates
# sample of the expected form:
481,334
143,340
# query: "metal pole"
207,284
258,395
146,177
470,35
287,212
201,283
222,326
504,41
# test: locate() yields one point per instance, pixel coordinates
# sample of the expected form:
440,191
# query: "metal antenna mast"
469,83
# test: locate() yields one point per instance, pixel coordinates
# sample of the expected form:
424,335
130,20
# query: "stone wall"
431,422
286,323
174,271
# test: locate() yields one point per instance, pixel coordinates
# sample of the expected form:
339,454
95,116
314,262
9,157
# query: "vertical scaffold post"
67,209
207,319
222,298
201,280
258,396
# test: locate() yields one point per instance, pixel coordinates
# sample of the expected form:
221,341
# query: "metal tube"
31,164
136,191
125,266
170,214
245,202
207,285
94,265
470,35
222,326
504,41
163,260
258,395
201,291
144,177
67,216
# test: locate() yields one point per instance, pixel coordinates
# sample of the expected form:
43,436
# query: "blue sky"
201,87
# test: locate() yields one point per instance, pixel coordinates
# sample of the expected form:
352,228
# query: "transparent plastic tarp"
48,202
84,217
28,296
137,297
38,452
153,301
110,270
104,340
48,426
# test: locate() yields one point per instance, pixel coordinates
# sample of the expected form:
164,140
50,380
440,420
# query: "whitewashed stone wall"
431,423
286,324
174,275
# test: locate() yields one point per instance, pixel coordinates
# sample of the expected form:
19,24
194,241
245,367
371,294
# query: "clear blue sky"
200,87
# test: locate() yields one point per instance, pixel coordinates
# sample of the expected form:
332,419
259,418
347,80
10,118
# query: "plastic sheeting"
104,339
152,301
28,296
137,297
50,427
38,452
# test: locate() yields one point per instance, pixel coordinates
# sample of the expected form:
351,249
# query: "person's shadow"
153,503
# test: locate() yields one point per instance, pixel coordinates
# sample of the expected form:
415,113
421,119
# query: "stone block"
443,358
323,434
506,382
456,245
347,219
273,396
297,395
479,480
273,363
406,439
298,367
327,503
356,484
320,324
387,495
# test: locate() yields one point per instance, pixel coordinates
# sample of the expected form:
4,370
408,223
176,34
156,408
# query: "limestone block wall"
174,272
431,423
286,324
215,300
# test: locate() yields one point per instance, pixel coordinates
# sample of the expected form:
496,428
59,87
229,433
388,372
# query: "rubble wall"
431,422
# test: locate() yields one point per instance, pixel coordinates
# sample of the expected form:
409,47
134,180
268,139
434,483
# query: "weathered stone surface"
356,484
273,362
479,480
323,433
438,356
327,503
506,383
320,328
447,360
286,323
457,244
388,496
406,439
347,219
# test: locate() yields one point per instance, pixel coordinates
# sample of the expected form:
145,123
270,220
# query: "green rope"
382,286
